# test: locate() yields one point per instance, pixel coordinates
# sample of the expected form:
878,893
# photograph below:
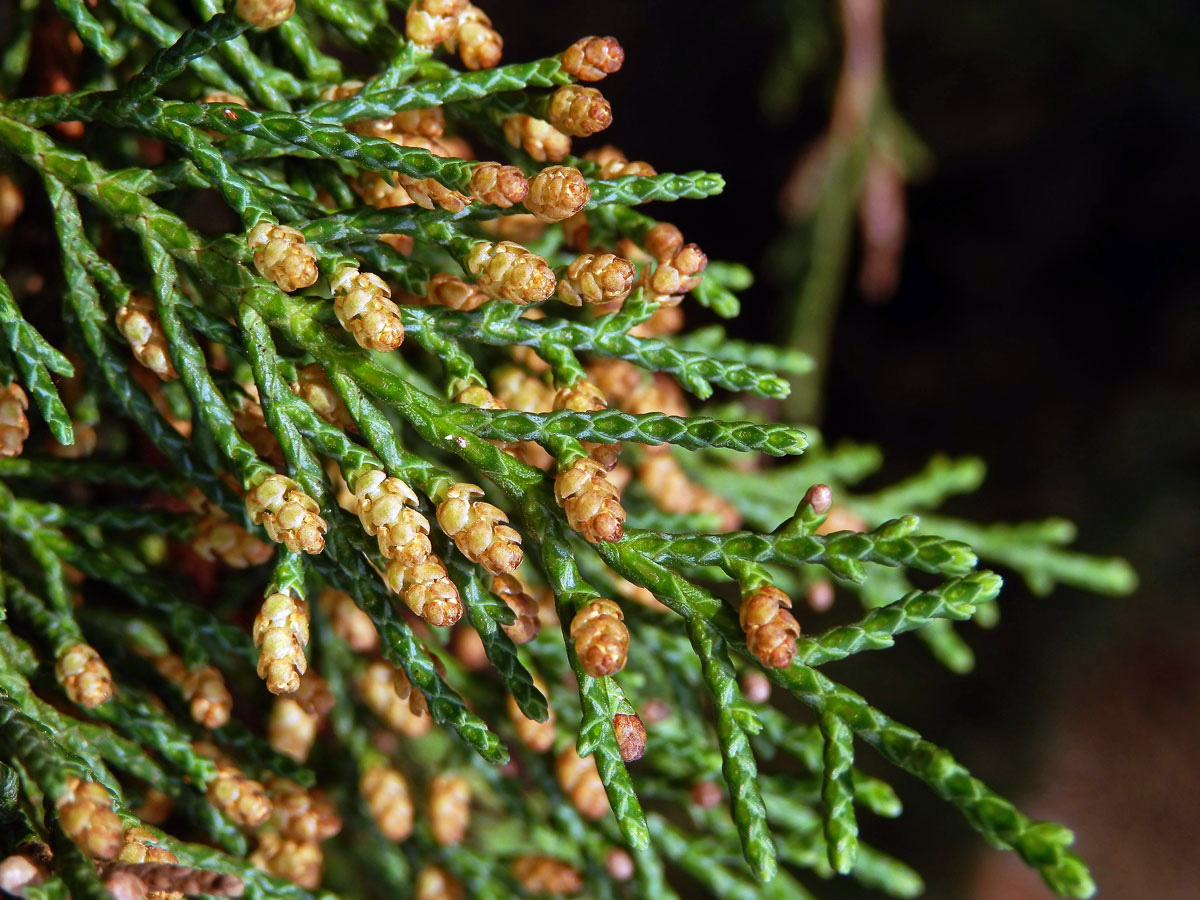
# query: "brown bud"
435,883
313,385
22,870
592,502
613,164
291,730
281,631
298,861
675,274
385,792
557,193
449,808
388,694
770,629
251,423
507,271
218,537
596,278
12,202
756,687
85,810
138,322
655,710
705,794
819,497
601,638
432,22
241,798
512,592
84,676
14,426
545,875
537,137
289,515
579,111
266,13
226,97
362,303
631,736
430,122
348,621
663,241
819,595
479,530
449,290
122,884
580,781
592,58
619,864
479,45
498,185
537,736
302,815
281,254
467,647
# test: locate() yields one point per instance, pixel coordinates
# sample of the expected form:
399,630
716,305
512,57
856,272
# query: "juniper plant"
288,608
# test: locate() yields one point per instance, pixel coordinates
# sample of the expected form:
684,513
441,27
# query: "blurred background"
1039,311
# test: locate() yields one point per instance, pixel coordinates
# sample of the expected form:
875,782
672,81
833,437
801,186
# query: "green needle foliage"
244,237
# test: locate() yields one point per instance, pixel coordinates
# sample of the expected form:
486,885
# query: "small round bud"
300,862
432,22
513,593
592,58
770,629
579,111
435,883
241,798
266,13
498,185
281,254
705,794
508,271
592,502
289,515
619,864
819,497
362,303
819,595
386,794
451,291
596,278
601,638
84,676
86,813
348,621
479,45
281,631
537,137
580,781
537,736
14,426
479,530
449,808
557,193
756,687
544,875
631,736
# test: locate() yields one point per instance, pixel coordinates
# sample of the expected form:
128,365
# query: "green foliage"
117,531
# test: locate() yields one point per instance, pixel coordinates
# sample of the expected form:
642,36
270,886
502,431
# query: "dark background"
1046,320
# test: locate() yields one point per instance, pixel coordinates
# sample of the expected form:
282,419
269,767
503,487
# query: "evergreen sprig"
233,388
